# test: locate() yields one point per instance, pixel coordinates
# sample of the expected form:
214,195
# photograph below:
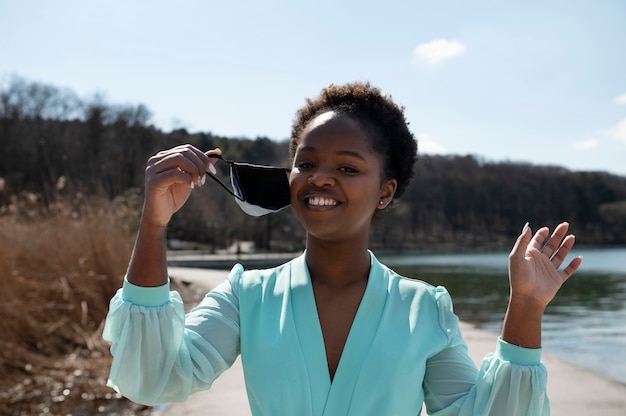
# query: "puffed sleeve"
511,381
159,354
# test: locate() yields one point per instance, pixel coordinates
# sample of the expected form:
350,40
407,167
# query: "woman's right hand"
170,177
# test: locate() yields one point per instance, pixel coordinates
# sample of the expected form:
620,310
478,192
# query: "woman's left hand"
534,264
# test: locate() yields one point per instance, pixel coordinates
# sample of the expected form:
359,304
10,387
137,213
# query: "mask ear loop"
222,184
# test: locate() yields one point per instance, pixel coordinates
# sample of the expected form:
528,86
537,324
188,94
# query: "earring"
381,202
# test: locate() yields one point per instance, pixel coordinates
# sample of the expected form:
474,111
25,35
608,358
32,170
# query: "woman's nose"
321,178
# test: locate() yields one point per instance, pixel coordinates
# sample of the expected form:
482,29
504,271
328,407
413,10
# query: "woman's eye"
304,165
348,169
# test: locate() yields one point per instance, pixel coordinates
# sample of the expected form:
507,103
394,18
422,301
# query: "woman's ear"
387,191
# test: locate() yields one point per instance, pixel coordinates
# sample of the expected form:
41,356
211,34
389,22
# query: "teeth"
321,201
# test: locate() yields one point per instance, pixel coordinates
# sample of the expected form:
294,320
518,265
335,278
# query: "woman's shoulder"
405,281
409,280
411,286
432,303
260,277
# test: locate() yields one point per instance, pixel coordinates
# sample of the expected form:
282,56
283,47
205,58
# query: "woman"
334,331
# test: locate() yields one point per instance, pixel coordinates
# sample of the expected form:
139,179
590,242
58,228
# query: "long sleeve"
511,381
159,354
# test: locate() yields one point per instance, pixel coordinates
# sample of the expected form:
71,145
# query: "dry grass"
59,268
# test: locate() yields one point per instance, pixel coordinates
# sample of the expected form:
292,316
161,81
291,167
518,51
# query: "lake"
585,324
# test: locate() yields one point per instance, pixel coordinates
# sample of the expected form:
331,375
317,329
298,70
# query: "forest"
56,146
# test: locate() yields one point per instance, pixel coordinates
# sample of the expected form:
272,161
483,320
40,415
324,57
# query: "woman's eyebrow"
350,153
306,149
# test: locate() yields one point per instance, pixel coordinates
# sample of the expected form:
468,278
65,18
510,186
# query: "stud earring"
381,202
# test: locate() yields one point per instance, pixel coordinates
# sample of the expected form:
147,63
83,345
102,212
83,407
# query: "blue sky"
534,81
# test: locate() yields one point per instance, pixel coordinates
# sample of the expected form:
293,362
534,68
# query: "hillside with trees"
56,146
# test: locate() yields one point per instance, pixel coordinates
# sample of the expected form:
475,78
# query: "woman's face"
336,179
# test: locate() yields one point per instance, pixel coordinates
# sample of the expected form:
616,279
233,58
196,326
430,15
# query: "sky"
541,82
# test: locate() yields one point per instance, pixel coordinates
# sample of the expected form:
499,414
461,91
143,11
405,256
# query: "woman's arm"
162,355
511,381
170,177
535,279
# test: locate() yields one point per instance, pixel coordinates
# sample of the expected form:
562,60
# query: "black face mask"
258,189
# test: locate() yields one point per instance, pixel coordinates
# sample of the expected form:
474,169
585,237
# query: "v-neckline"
360,336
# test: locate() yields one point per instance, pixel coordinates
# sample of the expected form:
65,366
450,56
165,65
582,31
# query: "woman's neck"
337,264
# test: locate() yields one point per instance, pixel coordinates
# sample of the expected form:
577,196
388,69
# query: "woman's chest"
336,312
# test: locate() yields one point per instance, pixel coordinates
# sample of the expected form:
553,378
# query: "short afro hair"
378,115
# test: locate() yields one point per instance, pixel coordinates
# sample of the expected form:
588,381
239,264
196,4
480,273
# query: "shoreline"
572,390
193,257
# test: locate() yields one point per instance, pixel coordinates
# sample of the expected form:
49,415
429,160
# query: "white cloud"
621,99
426,144
438,50
619,132
587,144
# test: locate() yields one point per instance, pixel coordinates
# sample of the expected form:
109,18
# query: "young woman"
334,331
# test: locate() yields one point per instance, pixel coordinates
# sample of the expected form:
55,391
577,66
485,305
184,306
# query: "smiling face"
336,180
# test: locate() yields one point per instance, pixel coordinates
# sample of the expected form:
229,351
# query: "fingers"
557,247
170,177
216,151
519,249
539,238
571,268
186,159
551,246
558,257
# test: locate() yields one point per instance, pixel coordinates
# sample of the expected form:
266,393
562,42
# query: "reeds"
59,266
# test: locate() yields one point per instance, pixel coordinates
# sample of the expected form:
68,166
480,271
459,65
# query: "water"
585,324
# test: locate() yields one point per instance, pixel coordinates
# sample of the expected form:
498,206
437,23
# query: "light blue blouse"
404,349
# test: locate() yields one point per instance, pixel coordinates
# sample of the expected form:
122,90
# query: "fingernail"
525,227
203,180
212,168
192,185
